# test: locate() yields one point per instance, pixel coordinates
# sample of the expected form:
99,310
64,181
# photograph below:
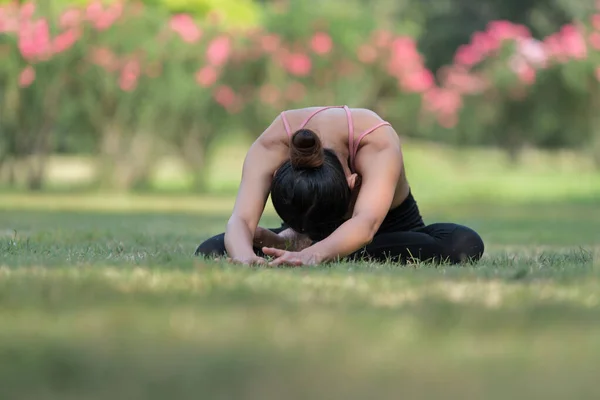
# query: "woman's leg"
441,242
215,246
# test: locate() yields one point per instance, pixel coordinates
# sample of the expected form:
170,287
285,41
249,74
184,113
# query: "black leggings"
402,237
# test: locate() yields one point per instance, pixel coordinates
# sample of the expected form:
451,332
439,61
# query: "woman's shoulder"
366,113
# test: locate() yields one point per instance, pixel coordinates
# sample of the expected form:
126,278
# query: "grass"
100,298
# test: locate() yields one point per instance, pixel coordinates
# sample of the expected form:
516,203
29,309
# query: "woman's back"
345,131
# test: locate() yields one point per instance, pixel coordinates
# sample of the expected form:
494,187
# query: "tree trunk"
193,151
514,153
513,146
7,171
109,148
135,162
124,163
39,157
36,169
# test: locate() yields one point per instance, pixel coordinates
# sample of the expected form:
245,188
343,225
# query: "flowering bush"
130,83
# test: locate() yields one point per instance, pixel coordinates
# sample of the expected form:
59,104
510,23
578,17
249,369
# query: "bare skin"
378,185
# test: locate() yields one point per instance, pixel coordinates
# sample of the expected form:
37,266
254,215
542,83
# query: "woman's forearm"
351,236
238,238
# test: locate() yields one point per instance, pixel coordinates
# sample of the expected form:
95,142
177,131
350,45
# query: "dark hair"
310,192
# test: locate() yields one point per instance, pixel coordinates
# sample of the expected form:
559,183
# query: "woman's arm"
266,154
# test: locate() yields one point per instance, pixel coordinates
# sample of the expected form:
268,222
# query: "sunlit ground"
100,298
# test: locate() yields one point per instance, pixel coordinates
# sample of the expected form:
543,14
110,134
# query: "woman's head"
310,192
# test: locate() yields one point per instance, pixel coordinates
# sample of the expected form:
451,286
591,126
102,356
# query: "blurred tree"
450,23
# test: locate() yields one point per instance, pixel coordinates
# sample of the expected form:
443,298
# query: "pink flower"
483,42
218,50
65,41
270,43
594,40
9,22
71,18
461,81
105,58
226,97
596,21
573,42
207,76
418,81
533,51
94,11
527,75
521,31
27,10
367,54
382,38
116,9
104,22
26,77
186,28
34,40
467,55
405,48
554,48
525,72
405,57
129,75
269,94
442,101
298,64
104,19
503,30
321,43
295,92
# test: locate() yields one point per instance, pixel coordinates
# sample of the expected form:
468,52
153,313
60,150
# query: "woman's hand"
293,258
249,260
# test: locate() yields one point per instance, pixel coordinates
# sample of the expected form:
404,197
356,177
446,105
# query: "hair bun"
306,150
304,139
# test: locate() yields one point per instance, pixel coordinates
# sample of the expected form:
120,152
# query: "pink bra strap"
286,124
350,129
315,113
354,148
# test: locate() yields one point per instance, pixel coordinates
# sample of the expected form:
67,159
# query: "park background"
123,129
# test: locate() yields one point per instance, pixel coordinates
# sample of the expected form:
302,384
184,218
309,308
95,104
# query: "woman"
336,178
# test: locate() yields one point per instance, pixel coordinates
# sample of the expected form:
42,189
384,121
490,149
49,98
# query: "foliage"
131,83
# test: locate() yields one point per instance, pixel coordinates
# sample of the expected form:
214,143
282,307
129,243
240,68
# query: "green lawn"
101,299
